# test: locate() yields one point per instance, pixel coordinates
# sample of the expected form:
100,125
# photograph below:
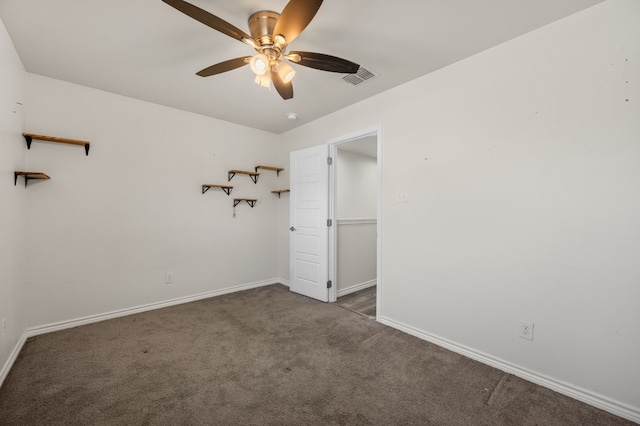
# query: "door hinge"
329,222
329,160
329,284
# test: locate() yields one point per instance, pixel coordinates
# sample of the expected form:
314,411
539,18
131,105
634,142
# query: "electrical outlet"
4,328
526,330
168,278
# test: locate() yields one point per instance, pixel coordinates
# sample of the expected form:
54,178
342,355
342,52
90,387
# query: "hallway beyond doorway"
362,302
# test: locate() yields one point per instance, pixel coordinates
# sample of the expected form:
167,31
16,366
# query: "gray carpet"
265,357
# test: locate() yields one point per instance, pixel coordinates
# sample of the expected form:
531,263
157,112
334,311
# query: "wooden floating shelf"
226,188
250,201
28,176
276,169
280,191
253,175
30,136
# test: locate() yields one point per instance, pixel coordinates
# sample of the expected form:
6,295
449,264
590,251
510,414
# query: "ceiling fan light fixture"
279,40
285,71
263,80
259,64
270,34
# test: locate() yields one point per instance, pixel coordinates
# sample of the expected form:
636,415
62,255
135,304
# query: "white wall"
356,209
13,220
521,170
356,255
106,227
357,192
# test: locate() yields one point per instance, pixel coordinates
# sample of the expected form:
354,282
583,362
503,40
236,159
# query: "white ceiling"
148,50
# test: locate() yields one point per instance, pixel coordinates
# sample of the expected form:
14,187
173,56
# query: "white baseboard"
599,401
355,288
62,325
283,282
12,358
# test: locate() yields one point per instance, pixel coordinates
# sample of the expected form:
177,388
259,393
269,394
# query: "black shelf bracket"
253,176
280,192
277,170
29,138
238,201
226,189
28,176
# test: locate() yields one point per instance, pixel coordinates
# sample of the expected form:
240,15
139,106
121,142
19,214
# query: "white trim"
375,130
355,288
599,401
283,282
62,325
332,252
333,146
356,221
12,358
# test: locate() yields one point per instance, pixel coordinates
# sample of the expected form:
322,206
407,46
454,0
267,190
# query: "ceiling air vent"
361,76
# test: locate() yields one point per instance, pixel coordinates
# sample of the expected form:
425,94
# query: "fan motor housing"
261,25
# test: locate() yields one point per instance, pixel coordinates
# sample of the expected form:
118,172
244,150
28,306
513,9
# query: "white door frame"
333,149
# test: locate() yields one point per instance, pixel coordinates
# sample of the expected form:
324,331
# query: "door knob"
292,229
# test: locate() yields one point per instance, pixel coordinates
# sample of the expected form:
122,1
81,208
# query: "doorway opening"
354,207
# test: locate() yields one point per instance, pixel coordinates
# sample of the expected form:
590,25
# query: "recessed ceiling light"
292,115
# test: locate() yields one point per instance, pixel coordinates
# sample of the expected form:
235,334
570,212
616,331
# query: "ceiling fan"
271,33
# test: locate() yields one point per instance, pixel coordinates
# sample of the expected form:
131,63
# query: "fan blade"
295,17
225,66
323,62
284,89
208,19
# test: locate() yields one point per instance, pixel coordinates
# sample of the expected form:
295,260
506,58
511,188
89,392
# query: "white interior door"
309,204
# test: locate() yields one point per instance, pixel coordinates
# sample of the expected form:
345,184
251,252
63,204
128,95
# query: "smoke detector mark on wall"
361,76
